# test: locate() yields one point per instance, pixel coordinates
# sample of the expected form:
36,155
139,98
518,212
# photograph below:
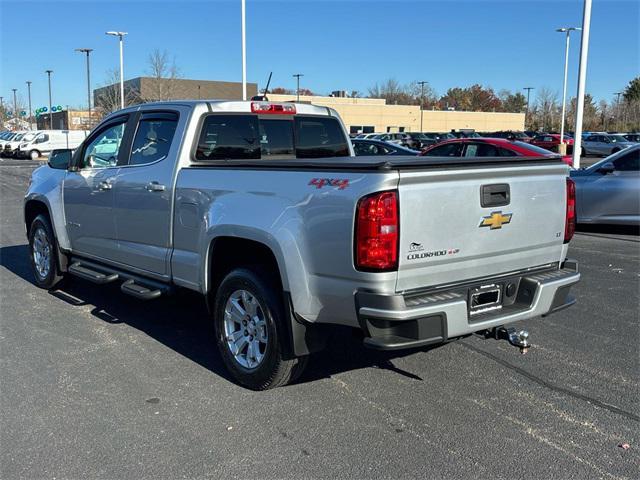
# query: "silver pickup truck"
263,209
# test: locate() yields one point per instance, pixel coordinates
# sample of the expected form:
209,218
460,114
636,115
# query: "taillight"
376,239
276,108
570,222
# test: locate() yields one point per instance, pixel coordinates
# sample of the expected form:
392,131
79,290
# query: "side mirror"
60,159
606,169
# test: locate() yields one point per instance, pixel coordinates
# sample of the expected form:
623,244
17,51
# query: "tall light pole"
87,51
29,96
567,30
15,108
421,100
120,35
617,94
582,80
244,51
298,75
526,115
49,72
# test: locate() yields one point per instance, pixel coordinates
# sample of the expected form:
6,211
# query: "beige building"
368,115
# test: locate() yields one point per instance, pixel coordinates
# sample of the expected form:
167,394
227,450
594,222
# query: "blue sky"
346,45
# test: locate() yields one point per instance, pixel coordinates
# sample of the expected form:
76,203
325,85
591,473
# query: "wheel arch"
32,209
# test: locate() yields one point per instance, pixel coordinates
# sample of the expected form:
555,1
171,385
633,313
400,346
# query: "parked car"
8,137
603,144
465,133
396,137
48,140
509,135
632,137
377,147
489,147
608,192
263,209
551,142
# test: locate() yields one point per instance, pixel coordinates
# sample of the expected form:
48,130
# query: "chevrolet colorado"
263,208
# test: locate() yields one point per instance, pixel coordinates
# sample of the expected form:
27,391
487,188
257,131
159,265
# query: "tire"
42,253
34,154
583,152
249,308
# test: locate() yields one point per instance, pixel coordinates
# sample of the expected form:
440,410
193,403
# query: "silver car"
608,192
604,144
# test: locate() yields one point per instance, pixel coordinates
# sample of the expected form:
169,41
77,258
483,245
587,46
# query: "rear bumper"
393,322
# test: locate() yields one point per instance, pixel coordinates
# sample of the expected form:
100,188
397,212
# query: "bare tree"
107,98
164,75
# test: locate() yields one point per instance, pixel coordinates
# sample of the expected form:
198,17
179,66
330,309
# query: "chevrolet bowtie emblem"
496,220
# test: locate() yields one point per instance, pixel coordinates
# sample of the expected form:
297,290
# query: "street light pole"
582,80
244,51
120,35
421,101
15,108
617,94
526,115
298,75
87,51
562,147
29,96
49,72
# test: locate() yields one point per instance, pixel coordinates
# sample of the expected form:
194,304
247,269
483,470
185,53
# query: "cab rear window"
253,137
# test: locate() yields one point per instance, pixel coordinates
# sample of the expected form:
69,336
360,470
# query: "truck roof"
234,106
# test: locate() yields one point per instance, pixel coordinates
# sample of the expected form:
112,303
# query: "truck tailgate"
448,236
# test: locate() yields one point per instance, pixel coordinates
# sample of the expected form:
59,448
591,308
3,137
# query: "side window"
229,137
481,150
43,138
276,138
447,150
504,152
629,162
320,137
591,138
102,151
153,138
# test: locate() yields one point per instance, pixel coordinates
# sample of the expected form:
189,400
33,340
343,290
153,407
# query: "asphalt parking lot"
94,384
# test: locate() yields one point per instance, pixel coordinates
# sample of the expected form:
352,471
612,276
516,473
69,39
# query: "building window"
368,129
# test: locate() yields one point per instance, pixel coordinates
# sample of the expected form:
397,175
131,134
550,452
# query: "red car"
550,141
488,147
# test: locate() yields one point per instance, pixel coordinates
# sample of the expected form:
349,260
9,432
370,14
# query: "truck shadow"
182,323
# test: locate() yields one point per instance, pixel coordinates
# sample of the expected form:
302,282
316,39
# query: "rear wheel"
583,152
249,318
42,253
34,154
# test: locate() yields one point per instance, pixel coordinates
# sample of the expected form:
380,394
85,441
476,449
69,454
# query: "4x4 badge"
495,220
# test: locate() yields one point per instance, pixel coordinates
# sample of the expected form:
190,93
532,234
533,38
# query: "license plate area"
485,298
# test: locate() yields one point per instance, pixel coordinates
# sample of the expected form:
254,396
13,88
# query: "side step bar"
130,287
137,286
94,276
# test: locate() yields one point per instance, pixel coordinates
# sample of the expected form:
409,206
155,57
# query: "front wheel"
42,253
34,154
249,318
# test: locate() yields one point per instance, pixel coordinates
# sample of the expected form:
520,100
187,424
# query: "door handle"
154,187
104,186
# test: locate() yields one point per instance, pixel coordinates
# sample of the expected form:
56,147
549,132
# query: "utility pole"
29,96
526,115
298,75
49,72
120,35
244,50
421,101
617,94
582,81
15,108
87,51
562,148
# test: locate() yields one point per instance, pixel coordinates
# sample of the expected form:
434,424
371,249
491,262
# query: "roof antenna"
263,97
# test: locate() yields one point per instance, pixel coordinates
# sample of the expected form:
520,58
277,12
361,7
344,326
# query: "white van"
10,148
9,137
48,140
